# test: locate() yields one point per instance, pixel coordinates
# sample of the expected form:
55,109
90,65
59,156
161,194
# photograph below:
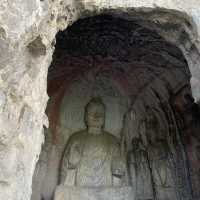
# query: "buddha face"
95,115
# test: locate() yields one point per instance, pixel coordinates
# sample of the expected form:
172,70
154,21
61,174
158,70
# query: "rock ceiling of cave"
113,47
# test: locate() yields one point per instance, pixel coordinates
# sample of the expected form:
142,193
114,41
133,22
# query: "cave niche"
144,82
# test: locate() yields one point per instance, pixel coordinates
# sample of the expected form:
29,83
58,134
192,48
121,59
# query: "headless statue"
161,161
140,173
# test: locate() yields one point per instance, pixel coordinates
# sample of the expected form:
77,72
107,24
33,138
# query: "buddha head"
95,113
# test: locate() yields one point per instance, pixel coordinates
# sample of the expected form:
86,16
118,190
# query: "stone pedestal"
90,193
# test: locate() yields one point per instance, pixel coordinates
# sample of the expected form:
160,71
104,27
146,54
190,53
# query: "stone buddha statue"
92,160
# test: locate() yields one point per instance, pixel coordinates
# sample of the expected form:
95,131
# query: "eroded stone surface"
117,193
23,78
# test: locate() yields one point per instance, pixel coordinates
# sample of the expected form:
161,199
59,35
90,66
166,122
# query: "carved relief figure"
161,163
139,170
187,113
92,157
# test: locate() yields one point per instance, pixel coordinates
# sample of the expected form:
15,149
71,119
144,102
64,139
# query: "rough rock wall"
27,32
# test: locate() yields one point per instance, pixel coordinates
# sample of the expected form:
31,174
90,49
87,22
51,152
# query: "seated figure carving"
92,160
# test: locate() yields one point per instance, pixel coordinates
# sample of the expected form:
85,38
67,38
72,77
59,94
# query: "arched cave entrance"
141,78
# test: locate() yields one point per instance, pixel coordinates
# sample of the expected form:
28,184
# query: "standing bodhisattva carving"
139,170
161,161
